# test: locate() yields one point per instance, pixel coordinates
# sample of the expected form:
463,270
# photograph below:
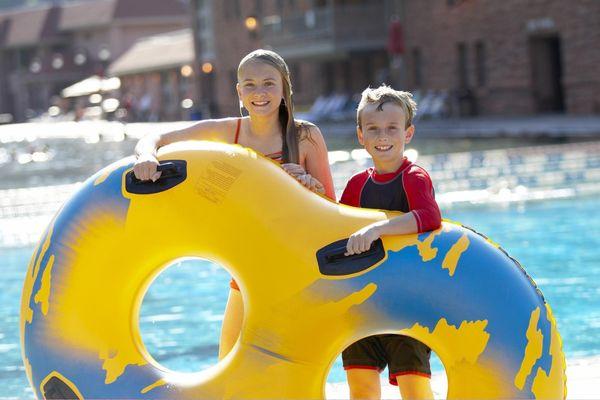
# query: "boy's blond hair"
385,94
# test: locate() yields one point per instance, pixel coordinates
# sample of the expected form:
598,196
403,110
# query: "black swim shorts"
402,355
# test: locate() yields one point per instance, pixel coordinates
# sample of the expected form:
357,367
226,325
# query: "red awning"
395,38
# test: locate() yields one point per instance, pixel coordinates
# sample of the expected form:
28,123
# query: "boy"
384,126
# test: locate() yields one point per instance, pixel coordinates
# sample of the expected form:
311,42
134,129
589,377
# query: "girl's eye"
249,85
269,84
393,128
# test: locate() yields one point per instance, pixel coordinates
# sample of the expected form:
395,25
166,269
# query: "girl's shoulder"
307,130
303,123
221,123
221,129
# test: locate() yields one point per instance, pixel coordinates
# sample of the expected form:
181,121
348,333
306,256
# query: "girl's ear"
239,93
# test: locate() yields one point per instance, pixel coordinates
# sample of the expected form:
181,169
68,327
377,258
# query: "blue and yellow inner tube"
452,289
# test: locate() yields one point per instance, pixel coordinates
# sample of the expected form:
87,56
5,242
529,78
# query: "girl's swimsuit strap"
237,131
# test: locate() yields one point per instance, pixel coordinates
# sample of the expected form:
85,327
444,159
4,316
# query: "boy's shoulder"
360,176
416,170
416,178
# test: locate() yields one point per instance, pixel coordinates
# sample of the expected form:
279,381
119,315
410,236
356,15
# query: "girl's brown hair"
289,128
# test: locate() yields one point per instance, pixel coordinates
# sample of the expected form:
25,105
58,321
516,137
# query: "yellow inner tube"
452,289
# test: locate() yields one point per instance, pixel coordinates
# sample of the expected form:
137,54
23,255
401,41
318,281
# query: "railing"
349,27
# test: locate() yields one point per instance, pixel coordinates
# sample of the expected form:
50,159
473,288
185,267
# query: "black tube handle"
333,261
173,172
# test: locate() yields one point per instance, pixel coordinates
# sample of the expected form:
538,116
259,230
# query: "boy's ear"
359,134
410,131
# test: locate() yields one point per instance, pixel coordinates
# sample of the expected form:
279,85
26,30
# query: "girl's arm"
313,151
147,146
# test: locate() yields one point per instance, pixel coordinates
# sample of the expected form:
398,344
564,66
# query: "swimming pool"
557,241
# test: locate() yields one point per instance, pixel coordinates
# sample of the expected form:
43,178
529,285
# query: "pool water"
558,243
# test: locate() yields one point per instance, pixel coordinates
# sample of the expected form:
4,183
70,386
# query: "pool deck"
583,127
583,382
572,126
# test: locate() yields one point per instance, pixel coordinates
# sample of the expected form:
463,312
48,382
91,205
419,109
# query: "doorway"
546,72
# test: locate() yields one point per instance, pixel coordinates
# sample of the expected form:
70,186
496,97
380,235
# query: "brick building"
485,57
506,57
331,46
47,48
157,88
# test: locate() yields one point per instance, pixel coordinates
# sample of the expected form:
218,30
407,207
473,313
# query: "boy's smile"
383,134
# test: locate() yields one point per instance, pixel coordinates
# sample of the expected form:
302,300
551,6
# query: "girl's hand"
145,168
361,240
301,176
311,183
294,170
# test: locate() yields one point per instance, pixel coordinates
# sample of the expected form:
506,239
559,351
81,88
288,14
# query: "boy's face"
383,133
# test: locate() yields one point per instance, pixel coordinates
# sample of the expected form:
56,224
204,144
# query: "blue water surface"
558,243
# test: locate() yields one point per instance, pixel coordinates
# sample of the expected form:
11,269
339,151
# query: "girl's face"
260,88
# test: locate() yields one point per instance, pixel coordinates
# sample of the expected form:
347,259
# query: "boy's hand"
361,240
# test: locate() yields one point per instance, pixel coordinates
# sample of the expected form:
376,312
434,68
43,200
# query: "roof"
155,53
90,85
87,14
29,26
145,8
25,27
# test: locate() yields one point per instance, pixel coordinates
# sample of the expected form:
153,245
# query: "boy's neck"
388,167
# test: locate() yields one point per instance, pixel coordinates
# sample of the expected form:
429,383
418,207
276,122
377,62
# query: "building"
157,88
47,48
506,57
474,57
331,46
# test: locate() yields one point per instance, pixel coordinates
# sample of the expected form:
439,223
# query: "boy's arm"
421,200
424,215
361,240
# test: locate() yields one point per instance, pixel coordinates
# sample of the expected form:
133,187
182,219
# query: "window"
328,75
462,57
296,78
234,79
232,9
417,67
480,64
258,8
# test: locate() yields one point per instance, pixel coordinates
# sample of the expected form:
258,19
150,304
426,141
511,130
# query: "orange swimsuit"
277,156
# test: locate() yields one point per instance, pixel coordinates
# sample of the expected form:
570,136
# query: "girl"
265,90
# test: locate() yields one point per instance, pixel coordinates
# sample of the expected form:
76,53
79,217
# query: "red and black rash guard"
409,189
